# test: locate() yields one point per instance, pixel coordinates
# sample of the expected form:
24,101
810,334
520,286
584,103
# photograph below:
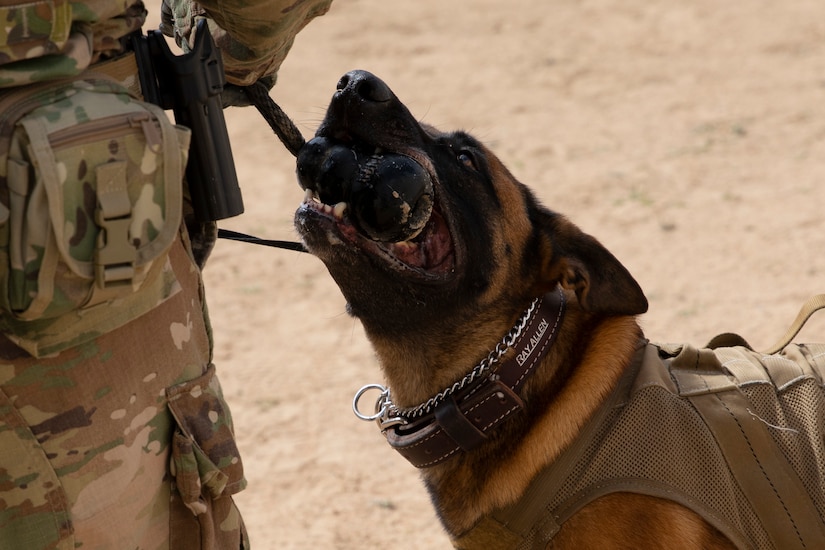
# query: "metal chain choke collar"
387,414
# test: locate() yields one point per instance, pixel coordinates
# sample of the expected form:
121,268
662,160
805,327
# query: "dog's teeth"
310,195
339,209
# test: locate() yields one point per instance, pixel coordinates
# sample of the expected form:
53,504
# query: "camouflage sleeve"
50,39
254,35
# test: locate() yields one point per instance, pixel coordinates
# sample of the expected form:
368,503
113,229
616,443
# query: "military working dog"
519,380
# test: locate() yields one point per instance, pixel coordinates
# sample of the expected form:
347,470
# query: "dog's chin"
330,234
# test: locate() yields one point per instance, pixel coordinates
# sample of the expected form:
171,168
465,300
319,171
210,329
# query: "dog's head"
420,228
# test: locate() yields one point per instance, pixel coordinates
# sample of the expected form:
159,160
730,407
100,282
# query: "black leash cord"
243,237
292,139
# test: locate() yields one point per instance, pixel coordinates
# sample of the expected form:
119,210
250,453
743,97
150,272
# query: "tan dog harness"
732,434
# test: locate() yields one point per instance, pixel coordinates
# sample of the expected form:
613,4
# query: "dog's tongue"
433,251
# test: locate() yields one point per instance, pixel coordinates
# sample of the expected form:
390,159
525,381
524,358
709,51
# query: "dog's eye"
467,159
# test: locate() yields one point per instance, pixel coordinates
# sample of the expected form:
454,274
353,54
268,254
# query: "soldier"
113,430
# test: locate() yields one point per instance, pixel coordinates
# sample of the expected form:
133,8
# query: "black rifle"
191,85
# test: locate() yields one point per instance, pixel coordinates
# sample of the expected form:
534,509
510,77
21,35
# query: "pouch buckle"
115,255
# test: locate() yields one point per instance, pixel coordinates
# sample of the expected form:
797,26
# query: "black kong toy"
389,196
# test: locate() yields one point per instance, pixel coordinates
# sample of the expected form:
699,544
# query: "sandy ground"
689,137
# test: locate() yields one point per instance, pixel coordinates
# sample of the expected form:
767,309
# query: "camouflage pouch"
90,202
206,468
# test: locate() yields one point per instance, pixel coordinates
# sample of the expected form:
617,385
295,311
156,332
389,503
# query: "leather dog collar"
464,414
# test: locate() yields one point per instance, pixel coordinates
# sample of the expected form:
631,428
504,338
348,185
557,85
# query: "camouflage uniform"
124,440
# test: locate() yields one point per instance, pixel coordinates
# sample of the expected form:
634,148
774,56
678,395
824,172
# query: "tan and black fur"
432,321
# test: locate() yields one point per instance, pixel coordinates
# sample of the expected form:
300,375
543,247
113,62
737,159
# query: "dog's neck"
569,387
465,414
587,360
423,362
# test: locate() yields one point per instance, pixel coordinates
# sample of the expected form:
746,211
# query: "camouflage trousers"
124,442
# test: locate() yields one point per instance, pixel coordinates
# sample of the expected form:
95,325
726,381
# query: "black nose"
364,85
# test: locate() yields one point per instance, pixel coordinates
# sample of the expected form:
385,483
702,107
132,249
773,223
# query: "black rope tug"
290,136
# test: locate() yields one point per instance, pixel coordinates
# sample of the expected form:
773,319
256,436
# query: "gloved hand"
251,51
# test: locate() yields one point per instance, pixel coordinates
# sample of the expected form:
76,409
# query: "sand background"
689,137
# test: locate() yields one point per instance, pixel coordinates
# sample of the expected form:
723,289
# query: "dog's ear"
580,263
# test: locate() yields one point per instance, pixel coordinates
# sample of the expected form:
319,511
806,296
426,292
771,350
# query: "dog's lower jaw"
472,485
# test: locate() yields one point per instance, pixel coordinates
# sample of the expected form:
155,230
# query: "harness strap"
767,479
814,304
730,339
778,497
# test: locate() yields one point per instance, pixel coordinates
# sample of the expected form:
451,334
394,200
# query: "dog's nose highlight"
365,85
